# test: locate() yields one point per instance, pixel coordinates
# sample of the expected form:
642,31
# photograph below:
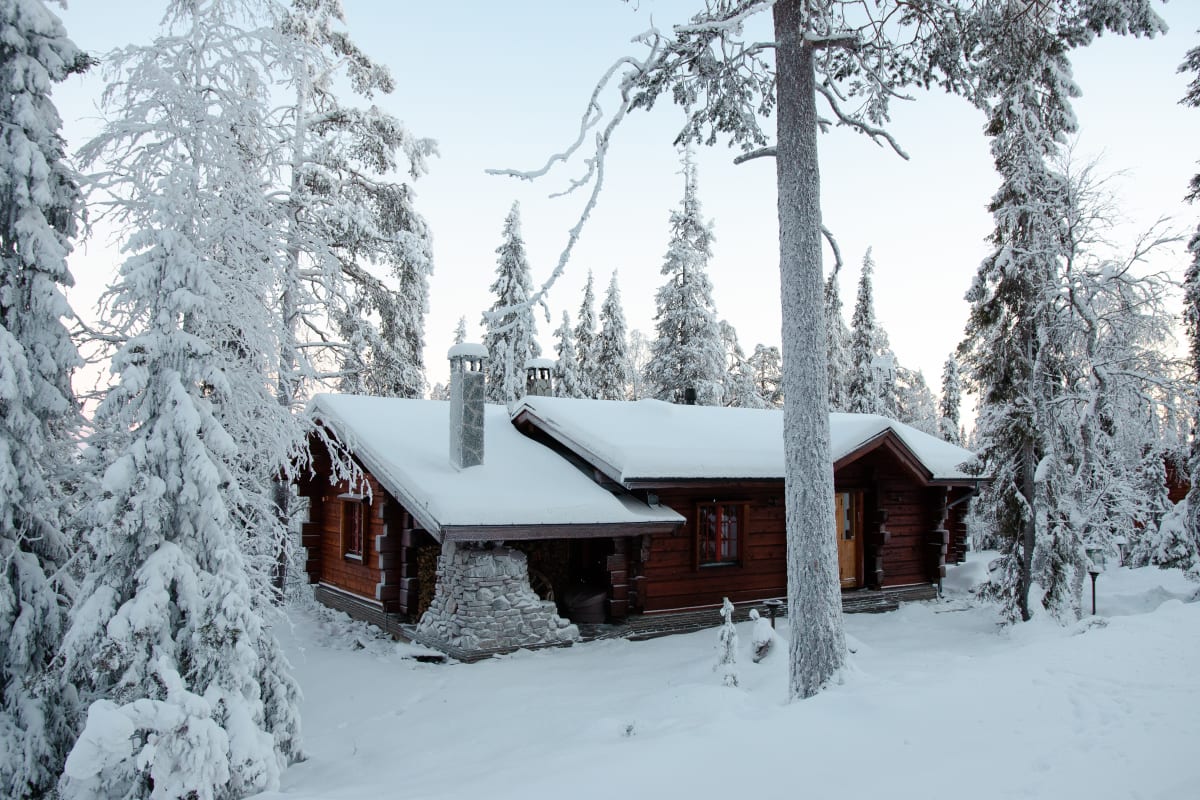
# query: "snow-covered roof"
653,440
467,350
405,445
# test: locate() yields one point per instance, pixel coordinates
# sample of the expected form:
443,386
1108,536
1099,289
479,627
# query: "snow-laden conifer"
639,356
612,354
950,408
739,388
171,623
40,210
1191,317
511,332
348,217
727,646
585,340
460,331
687,358
915,404
1016,350
837,344
767,363
864,389
566,381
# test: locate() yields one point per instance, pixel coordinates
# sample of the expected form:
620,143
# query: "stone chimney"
539,381
466,404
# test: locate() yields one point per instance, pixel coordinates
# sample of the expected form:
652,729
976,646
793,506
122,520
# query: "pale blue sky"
502,84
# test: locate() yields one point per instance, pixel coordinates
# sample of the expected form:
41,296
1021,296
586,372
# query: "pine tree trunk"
818,643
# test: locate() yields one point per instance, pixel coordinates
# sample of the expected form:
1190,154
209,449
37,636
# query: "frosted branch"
590,118
765,152
837,251
875,133
721,26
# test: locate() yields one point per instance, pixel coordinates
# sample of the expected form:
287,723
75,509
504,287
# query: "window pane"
352,527
708,534
729,533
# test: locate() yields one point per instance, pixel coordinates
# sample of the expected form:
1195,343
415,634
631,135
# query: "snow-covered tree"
864,390
1015,353
767,363
837,344
39,416
511,332
345,211
460,331
739,388
1191,317
639,356
686,355
727,646
950,417
915,404
585,341
170,628
612,354
566,381
837,51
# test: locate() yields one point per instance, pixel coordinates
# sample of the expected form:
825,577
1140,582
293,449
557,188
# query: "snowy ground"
937,703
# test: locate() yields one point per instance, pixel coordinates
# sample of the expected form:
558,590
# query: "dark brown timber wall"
389,571
668,573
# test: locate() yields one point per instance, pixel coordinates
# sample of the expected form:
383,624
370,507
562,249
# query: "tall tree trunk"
818,642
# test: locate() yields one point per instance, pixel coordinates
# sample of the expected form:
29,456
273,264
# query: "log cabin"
476,530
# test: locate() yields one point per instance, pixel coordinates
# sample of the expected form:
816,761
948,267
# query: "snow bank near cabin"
936,701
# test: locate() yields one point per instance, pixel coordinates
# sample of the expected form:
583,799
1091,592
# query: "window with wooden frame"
354,526
720,528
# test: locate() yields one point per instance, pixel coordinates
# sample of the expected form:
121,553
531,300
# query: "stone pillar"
466,404
483,604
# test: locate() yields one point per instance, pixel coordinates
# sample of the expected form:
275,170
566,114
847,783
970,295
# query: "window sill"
720,564
353,557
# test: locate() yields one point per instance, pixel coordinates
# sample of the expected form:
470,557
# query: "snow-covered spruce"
727,646
39,417
566,379
171,623
862,393
511,333
586,345
837,344
612,375
950,409
687,360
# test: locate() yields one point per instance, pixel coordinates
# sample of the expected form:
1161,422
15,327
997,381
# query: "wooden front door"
848,530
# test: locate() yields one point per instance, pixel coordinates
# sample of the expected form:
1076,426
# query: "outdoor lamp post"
773,607
1095,567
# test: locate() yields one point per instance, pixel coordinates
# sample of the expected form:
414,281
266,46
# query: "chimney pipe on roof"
466,404
539,381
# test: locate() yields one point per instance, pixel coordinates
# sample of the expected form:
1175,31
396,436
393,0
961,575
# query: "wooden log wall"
388,572
669,576
900,525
